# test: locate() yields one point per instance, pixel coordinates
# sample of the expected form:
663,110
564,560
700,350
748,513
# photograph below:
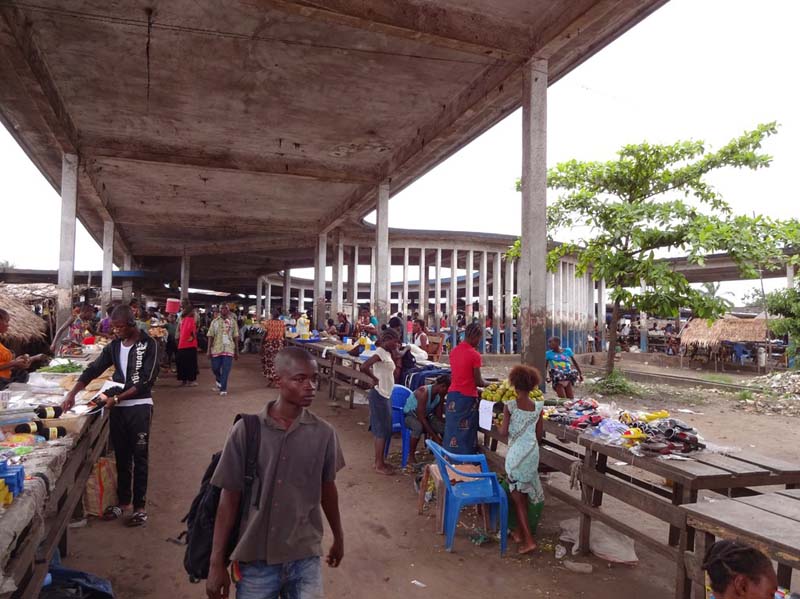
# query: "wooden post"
66,262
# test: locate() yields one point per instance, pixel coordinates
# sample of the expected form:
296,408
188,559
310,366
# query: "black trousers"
186,362
130,437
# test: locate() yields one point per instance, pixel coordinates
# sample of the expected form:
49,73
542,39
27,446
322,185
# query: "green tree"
786,304
712,290
654,199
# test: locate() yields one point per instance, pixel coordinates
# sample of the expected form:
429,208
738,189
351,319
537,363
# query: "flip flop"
137,519
112,512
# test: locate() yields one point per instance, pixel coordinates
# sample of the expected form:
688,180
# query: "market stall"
650,463
730,341
51,454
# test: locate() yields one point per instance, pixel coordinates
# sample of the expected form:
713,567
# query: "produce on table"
67,368
504,392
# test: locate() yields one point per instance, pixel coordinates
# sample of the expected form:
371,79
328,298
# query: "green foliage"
744,395
615,383
515,303
786,304
654,199
712,290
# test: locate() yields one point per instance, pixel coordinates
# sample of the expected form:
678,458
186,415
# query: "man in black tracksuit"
134,355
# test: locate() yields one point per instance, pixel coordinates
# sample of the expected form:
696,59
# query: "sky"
707,70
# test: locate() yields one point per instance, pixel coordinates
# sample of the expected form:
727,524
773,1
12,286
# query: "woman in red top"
461,411
186,358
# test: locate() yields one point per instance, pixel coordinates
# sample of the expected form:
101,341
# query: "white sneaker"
192,384
223,392
217,384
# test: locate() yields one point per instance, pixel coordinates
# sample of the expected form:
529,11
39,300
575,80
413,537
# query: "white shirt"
384,372
124,351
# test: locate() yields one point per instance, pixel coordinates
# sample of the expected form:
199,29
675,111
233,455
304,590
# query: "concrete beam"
66,260
232,246
108,261
382,259
442,26
533,271
264,163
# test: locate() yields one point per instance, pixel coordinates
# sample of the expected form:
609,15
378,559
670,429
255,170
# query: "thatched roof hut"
735,330
25,326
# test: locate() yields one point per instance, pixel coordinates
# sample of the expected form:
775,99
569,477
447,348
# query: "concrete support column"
483,298
423,285
601,312
789,276
301,300
268,298
127,286
453,298
533,271
66,258
108,262
470,289
319,281
643,326
558,300
405,303
352,281
590,309
437,291
259,298
509,306
186,263
383,257
337,284
497,300
287,290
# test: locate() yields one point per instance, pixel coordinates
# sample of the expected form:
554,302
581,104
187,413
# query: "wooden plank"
726,518
793,493
729,464
775,465
788,507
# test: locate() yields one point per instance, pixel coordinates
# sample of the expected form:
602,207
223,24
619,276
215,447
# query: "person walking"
223,347
134,355
186,358
278,550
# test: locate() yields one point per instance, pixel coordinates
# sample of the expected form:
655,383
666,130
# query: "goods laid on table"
62,367
645,433
504,391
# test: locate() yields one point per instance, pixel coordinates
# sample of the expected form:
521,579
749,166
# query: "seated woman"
13,368
345,328
367,324
738,571
420,334
424,412
559,364
331,328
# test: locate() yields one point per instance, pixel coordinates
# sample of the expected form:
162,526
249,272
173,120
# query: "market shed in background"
24,326
231,140
729,329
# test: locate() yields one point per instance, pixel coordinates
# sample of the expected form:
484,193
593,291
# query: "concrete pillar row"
66,254
405,303
497,294
483,298
320,263
108,262
423,285
454,298
533,271
437,290
383,257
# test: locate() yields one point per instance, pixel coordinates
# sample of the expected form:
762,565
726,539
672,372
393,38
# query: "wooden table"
565,449
769,522
31,560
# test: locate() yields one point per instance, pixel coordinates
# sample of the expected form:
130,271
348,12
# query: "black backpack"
202,514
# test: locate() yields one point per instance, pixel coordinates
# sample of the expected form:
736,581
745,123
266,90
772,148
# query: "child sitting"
522,423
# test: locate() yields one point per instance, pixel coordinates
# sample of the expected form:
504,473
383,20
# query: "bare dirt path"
387,544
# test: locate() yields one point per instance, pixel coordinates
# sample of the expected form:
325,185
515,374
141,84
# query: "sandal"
137,519
112,512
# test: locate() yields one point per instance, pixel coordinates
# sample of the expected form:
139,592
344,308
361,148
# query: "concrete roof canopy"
237,131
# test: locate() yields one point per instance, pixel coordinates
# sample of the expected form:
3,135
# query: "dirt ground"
387,545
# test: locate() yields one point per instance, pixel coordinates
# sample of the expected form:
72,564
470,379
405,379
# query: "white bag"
606,543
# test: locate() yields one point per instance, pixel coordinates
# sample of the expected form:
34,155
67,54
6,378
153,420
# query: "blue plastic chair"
399,396
484,489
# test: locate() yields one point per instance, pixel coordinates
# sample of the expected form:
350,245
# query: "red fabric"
464,359
188,334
